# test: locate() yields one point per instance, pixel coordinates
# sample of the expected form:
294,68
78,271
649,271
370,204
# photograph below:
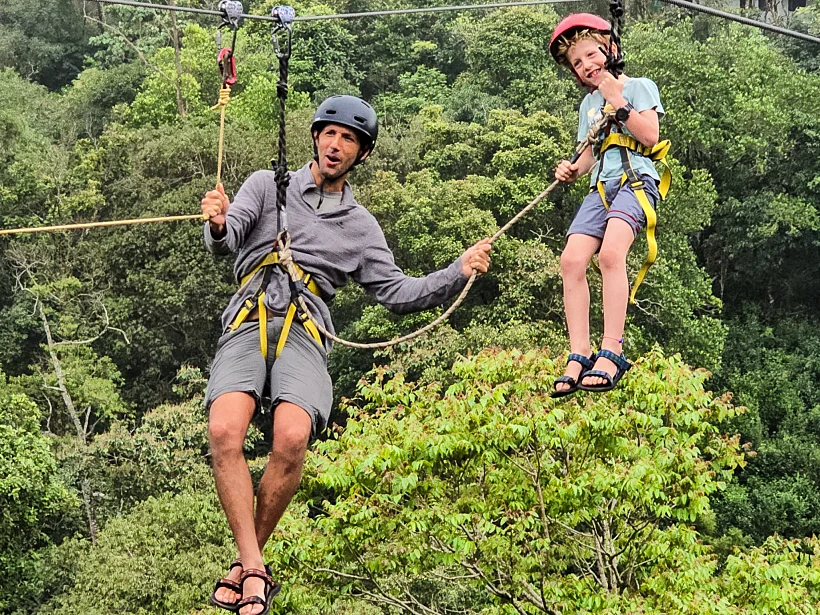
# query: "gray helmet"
352,112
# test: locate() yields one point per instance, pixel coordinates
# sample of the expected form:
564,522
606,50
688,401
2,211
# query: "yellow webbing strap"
291,315
651,242
657,154
258,302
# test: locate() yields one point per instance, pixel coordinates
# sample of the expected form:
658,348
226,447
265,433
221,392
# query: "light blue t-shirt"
643,94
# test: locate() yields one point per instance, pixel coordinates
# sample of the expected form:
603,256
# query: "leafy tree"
162,556
43,41
33,495
493,488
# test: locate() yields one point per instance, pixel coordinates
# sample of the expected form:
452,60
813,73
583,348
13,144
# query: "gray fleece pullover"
344,242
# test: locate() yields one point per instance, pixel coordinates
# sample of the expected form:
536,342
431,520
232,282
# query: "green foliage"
161,557
32,494
494,487
43,41
166,453
777,379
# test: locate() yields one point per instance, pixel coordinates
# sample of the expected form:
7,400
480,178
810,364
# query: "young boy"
580,42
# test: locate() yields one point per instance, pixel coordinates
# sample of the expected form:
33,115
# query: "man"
333,239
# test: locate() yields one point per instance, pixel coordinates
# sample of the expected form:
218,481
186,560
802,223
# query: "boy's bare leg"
229,417
612,261
574,262
291,433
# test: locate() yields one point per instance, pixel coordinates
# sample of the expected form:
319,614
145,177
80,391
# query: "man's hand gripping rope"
286,257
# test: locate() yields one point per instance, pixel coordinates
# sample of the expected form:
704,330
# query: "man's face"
588,61
338,149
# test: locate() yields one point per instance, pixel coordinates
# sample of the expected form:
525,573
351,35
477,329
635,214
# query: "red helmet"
576,21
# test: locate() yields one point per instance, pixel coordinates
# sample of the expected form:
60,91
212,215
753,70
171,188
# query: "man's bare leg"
291,433
228,421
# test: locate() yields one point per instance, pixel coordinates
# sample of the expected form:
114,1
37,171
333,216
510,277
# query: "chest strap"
257,301
657,153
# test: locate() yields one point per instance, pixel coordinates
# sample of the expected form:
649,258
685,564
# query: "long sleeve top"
336,245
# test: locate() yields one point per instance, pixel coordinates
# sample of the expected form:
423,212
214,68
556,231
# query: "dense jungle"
450,483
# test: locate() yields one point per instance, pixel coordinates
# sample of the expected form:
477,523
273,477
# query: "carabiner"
284,16
227,66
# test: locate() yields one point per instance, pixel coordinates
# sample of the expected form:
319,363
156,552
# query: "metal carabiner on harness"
284,16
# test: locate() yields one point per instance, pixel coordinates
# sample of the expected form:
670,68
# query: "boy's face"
588,61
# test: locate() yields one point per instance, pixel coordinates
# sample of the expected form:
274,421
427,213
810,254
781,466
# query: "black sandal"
620,363
228,584
586,365
271,589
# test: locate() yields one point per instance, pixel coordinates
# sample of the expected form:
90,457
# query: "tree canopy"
449,482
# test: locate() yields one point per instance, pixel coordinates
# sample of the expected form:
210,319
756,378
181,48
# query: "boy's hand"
612,90
215,205
566,171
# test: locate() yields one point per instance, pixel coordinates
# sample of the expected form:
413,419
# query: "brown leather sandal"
228,584
271,589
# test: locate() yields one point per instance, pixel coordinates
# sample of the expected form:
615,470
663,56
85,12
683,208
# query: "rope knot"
281,176
224,98
285,254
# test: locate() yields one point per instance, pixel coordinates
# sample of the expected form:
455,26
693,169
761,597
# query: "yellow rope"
224,99
222,104
84,225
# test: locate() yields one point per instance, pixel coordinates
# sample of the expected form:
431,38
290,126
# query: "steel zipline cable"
744,20
433,9
467,7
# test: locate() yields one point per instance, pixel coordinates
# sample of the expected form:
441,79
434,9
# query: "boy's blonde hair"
565,43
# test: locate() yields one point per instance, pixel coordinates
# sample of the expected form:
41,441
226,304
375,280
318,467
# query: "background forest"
451,483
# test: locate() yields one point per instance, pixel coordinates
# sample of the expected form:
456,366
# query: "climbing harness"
257,302
626,146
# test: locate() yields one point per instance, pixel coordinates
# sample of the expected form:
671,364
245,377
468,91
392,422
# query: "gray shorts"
592,216
298,376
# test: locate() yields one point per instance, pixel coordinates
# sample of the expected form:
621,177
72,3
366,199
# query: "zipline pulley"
284,16
232,11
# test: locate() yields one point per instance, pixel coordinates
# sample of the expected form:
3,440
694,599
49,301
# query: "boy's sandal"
620,363
271,589
228,584
586,365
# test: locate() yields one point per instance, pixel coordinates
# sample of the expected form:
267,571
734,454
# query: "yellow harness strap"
657,154
258,302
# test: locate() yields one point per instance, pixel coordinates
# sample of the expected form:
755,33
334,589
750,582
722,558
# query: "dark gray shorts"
298,376
592,216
